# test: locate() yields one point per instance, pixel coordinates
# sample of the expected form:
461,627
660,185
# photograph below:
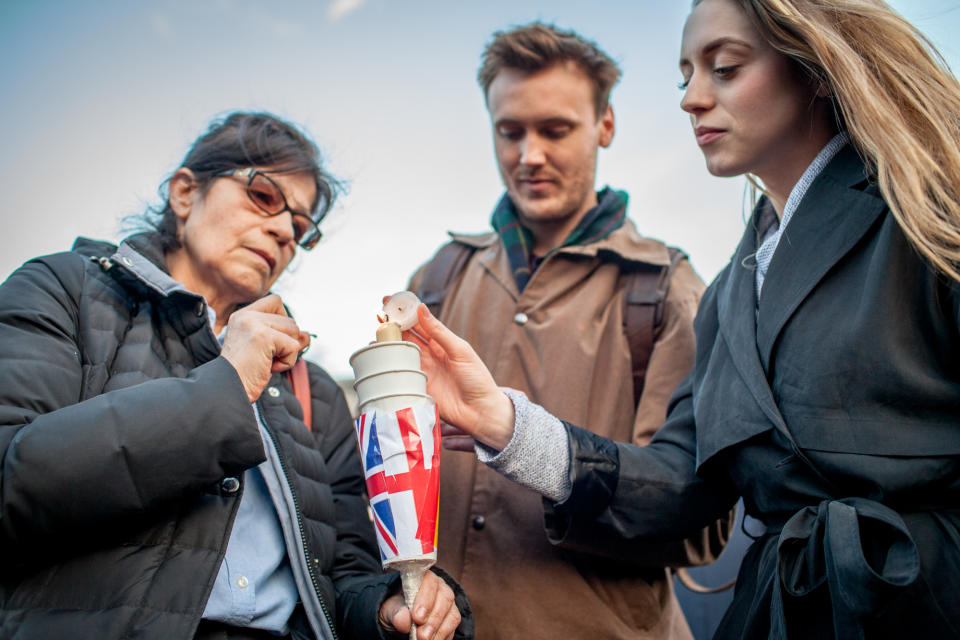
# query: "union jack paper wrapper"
400,451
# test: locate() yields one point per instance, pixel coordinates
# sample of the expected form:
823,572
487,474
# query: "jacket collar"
833,216
138,258
829,221
140,255
624,244
139,266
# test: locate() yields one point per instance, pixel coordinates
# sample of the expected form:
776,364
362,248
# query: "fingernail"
428,631
422,612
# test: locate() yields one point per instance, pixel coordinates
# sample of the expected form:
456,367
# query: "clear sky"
101,99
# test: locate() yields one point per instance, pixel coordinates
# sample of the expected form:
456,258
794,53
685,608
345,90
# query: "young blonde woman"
826,387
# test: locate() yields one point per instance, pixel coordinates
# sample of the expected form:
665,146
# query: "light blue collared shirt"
255,586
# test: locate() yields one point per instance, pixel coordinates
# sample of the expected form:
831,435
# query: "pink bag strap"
300,382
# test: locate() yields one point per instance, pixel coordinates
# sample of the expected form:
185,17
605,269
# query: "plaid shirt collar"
596,224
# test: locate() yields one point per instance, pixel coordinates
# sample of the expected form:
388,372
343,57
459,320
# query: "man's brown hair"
536,46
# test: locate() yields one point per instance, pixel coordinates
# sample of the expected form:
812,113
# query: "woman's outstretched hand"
460,383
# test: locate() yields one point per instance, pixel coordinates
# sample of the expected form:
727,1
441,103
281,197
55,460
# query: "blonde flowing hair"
895,95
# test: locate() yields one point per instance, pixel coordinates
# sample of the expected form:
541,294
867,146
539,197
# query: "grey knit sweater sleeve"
538,455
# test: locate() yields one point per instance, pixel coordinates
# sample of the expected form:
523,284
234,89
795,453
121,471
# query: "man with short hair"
548,300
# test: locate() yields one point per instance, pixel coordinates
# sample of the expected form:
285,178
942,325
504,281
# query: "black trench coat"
832,408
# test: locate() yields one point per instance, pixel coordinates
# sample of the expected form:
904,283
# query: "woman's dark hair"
244,140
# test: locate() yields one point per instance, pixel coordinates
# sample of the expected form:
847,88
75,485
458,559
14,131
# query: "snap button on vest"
229,485
479,522
200,309
521,318
273,391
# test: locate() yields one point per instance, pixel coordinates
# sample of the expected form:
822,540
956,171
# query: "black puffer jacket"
121,431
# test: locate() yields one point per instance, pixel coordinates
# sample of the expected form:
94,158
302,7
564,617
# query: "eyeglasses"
269,198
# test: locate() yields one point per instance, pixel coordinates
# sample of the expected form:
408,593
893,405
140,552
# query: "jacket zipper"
303,539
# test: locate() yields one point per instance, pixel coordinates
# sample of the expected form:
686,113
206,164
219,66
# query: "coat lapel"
491,255
736,310
831,219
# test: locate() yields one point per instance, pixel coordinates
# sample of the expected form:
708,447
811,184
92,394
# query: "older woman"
826,384
157,479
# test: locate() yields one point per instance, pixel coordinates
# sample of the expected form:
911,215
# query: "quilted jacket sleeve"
76,466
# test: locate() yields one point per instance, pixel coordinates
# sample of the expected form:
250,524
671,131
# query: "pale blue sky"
101,99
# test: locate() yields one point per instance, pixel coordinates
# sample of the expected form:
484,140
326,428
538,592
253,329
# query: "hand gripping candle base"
398,432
